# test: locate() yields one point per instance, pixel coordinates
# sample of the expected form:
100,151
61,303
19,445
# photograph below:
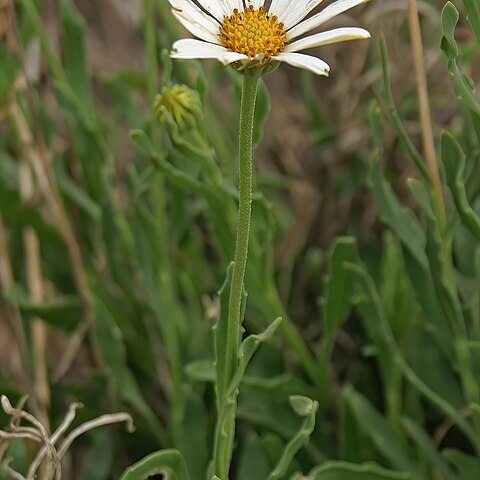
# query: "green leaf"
349,471
397,217
307,408
262,109
65,313
376,309
110,344
338,287
177,177
468,467
376,427
8,72
473,15
247,349
196,435
74,55
227,407
201,371
221,332
253,461
426,446
302,405
453,160
76,194
421,194
355,445
395,119
464,87
165,462
101,456
413,239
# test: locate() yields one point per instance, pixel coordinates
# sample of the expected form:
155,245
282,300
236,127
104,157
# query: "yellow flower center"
253,32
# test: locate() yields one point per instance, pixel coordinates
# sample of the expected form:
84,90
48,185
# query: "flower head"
257,33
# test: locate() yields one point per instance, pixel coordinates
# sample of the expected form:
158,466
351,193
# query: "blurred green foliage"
156,236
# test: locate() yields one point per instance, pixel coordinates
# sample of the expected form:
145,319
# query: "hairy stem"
245,189
225,429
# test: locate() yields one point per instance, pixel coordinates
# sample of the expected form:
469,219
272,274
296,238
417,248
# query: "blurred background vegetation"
112,251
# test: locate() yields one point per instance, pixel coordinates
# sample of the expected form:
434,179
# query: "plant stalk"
225,429
424,105
245,190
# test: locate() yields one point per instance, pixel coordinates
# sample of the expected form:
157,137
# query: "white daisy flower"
249,33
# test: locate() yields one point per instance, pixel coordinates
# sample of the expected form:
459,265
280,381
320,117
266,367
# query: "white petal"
278,7
195,20
328,13
218,9
330,36
189,48
307,62
290,12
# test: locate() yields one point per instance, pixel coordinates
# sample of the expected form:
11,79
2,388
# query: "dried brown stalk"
35,288
47,186
424,105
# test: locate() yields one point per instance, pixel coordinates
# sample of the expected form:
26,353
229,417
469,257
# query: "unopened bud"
181,104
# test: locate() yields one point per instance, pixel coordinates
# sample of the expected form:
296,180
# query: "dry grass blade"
107,419
67,421
38,433
423,98
45,181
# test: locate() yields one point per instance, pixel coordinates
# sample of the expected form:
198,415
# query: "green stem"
245,190
226,403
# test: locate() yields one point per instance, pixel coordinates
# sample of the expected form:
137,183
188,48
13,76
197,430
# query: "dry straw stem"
36,291
422,91
49,450
46,184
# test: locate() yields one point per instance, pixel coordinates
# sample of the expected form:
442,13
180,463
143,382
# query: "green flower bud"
178,104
